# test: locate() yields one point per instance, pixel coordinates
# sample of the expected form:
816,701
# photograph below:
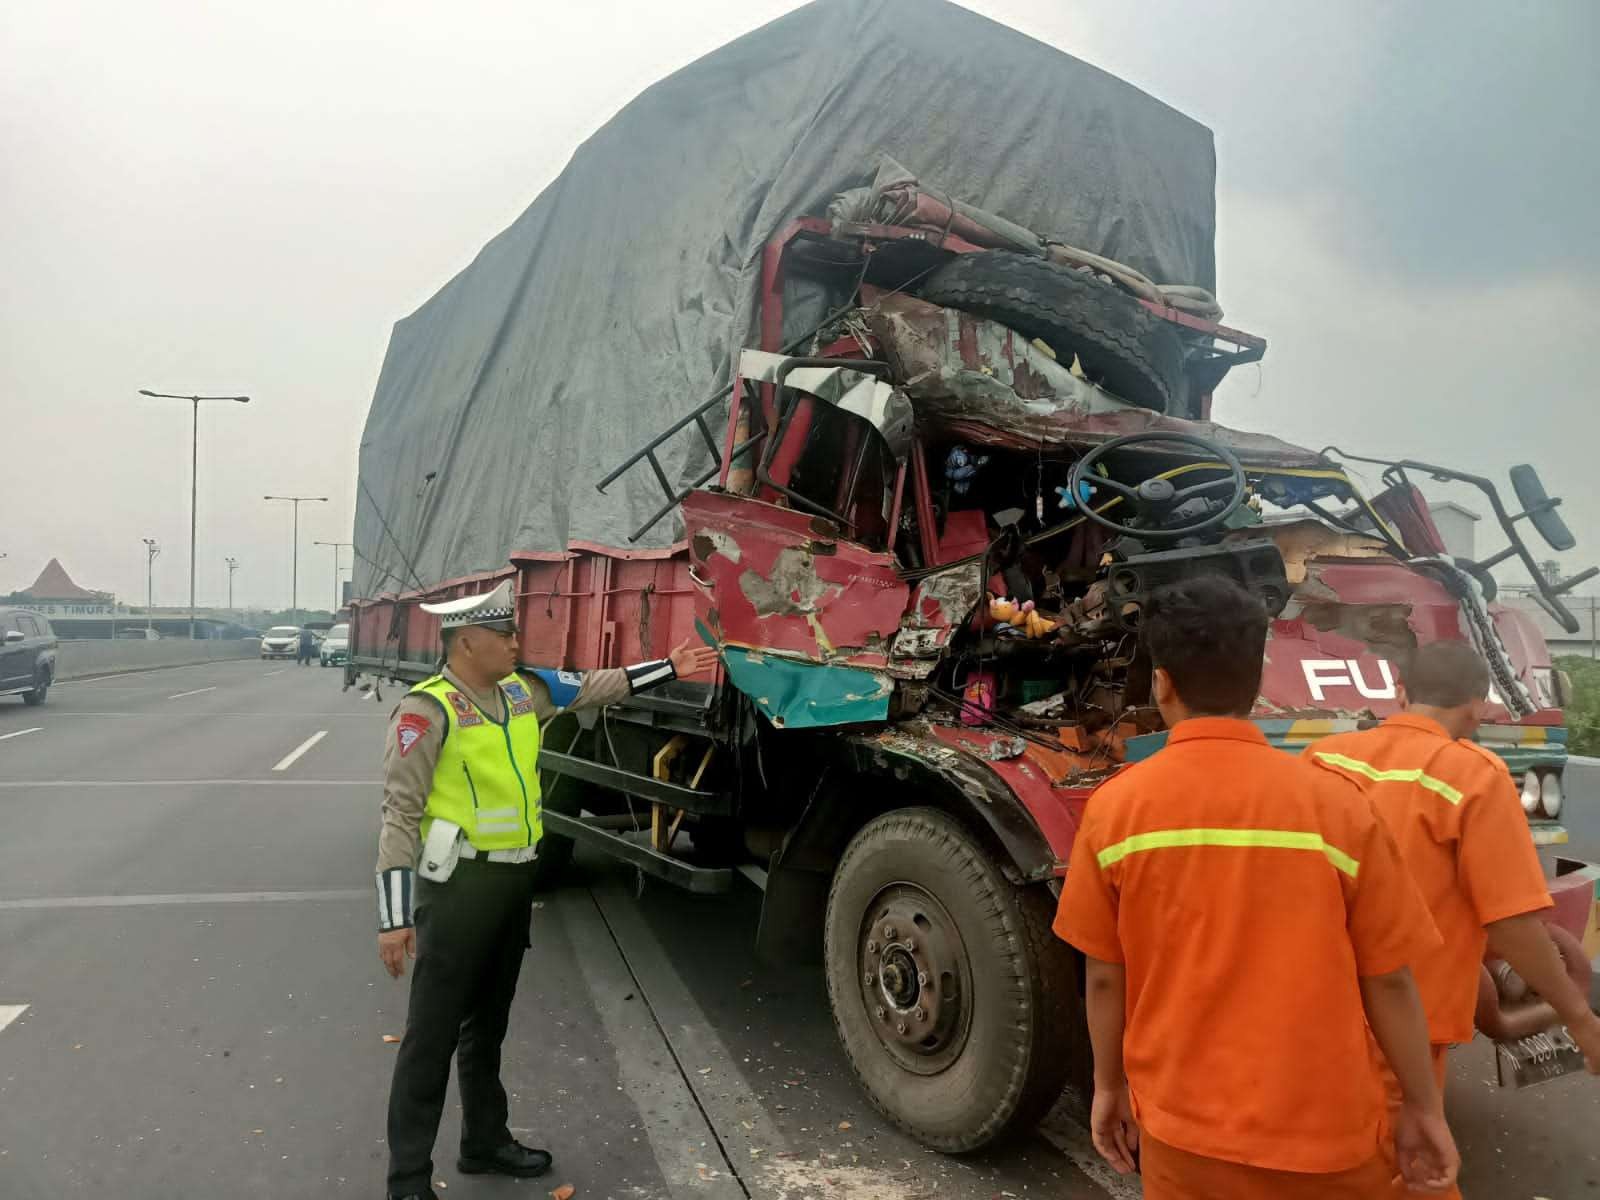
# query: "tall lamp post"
194,473
150,552
336,546
233,565
294,577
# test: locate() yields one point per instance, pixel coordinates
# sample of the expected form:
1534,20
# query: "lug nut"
900,1028
888,932
920,1015
922,979
911,945
872,947
867,978
881,1014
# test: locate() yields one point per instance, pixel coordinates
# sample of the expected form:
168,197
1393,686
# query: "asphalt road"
186,915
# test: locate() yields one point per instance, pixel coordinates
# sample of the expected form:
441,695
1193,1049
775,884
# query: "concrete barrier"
80,659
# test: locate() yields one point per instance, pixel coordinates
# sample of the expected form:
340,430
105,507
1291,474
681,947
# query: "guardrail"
80,659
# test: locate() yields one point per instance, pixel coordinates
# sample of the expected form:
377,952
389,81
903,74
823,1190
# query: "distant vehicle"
281,641
335,646
27,655
138,635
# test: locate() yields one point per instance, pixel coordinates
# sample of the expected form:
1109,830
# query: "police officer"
455,888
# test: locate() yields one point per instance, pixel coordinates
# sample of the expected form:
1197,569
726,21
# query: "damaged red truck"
921,543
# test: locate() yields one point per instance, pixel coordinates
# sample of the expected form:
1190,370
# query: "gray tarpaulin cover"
620,299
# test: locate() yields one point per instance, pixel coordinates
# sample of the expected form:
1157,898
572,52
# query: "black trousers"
471,935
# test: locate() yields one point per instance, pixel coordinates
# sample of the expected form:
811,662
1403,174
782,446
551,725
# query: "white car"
281,641
335,649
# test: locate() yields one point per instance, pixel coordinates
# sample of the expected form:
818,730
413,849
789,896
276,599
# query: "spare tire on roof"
1120,344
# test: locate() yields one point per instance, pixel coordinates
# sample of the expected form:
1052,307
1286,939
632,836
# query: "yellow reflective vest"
487,776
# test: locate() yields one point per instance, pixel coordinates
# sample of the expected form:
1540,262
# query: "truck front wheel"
959,1010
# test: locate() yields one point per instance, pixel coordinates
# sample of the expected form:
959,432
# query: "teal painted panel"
802,695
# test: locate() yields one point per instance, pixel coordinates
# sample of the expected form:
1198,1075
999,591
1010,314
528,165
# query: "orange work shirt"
1457,818
1245,890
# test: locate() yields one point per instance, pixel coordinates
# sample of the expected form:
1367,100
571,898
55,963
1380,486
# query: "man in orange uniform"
1455,814
1245,915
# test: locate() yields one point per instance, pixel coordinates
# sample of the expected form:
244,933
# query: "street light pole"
194,474
150,552
233,565
335,609
294,578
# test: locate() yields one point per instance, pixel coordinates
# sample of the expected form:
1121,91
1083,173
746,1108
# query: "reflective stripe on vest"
1272,839
487,776
1393,775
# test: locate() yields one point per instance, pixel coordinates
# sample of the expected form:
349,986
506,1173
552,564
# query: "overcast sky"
245,197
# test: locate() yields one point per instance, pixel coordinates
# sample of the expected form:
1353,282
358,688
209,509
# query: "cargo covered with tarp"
621,298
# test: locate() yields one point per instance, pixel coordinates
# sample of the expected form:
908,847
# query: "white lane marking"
10,1012
279,671
289,758
677,1127
196,692
182,898
20,732
171,783
1073,1140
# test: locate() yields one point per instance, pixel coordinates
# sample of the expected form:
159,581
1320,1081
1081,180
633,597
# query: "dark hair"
446,636
1445,675
1210,635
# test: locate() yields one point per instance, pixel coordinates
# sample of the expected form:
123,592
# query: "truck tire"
958,1009
1129,350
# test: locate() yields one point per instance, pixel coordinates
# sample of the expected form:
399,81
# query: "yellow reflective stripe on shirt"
1272,839
1394,775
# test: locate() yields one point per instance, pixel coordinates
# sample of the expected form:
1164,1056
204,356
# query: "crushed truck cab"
915,479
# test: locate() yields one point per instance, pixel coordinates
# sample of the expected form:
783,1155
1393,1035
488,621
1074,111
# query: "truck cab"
921,534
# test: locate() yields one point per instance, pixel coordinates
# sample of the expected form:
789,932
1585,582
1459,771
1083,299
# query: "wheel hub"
915,978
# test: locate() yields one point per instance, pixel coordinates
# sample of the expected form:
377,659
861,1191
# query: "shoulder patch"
410,730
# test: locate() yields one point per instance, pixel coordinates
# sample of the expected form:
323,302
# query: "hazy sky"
245,197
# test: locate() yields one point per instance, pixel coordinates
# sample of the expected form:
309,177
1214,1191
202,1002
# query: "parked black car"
27,655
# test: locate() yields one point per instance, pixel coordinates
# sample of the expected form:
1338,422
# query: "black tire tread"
1063,1034
1139,357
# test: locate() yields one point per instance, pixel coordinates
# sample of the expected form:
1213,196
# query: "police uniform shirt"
416,731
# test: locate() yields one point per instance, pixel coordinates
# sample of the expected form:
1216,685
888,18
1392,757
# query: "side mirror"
1540,508
13,635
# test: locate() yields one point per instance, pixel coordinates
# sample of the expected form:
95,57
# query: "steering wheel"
1154,498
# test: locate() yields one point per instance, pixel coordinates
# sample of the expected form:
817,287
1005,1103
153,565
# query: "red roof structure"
55,584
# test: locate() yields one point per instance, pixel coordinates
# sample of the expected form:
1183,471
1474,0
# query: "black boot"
511,1159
